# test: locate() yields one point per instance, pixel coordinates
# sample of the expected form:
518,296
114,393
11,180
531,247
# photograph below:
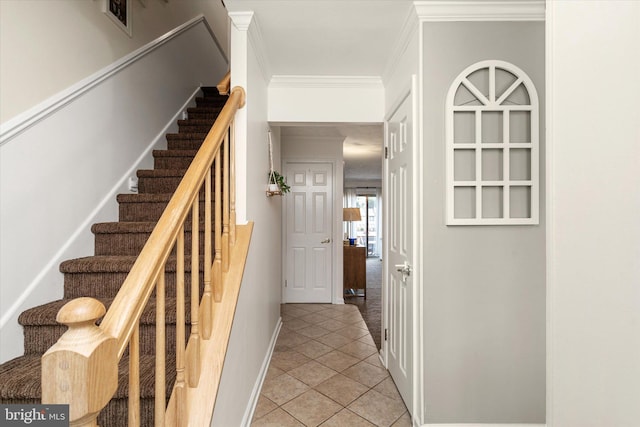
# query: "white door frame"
336,238
413,90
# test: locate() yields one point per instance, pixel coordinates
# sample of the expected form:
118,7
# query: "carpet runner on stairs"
117,245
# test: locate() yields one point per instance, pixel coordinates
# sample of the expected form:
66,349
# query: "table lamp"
351,214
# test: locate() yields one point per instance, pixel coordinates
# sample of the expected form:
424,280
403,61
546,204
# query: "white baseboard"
255,393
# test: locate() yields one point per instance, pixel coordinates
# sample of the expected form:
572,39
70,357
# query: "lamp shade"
351,214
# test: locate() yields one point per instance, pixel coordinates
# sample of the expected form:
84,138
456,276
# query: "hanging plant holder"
276,183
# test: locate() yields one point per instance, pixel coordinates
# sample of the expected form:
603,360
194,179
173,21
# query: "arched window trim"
505,186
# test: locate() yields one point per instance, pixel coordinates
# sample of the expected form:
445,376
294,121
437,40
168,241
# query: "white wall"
258,311
484,286
594,204
330,150
326,99
49,45
62,174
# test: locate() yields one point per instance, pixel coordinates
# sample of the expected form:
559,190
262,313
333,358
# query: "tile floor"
325,371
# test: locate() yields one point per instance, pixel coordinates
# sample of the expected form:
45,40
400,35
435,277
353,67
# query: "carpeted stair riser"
41,330
185,141
129,238
147,207
173,159
102,277
206,113
22,385
195,125
208,102
162,181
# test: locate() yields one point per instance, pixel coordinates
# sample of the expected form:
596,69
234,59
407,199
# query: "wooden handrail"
91,353
136,289
225,84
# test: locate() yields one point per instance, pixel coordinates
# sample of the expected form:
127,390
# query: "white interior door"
309,231
399,344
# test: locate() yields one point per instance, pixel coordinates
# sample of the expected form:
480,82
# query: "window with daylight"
492,146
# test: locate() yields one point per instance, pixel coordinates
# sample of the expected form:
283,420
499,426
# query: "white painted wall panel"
258,310
594,236
49,45
326,104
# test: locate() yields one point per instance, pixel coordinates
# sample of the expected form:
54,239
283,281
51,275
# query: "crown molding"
326,82
257,40
409,30
480,10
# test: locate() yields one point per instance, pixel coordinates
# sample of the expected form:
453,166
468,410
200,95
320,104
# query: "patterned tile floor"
325,371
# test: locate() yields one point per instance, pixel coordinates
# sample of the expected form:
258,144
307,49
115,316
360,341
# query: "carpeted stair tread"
133,227
196,122
21,377
98,264
160,173
187,136
20,380
114,264
174,153
122,227
144,197
45,314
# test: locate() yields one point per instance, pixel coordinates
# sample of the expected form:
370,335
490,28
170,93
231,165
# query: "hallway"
325,371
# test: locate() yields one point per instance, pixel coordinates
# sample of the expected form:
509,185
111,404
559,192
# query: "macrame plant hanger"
272,172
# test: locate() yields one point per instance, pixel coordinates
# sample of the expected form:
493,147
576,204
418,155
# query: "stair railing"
81,369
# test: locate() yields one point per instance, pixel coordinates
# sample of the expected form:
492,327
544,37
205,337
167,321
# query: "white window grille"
492,137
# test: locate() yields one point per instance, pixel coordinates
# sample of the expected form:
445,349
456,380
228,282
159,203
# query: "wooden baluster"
217,262
207,314
161,392
81,369
225,205
193,362
232,185
134,377
180,387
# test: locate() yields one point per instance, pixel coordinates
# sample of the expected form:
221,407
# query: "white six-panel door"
308,227
399,252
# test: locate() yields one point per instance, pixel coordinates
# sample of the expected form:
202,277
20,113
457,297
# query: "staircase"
117,245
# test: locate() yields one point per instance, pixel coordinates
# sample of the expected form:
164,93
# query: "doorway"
309,229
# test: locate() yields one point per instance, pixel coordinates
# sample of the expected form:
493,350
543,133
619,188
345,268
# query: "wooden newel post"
81,369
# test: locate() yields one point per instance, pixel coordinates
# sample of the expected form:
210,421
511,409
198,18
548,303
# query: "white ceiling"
327,37
331,38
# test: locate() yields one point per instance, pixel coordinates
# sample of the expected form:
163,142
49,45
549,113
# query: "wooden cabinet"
355,269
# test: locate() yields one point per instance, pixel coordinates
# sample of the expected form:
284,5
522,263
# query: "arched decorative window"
492,146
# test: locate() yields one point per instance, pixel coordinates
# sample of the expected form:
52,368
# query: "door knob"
405,269
327,240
